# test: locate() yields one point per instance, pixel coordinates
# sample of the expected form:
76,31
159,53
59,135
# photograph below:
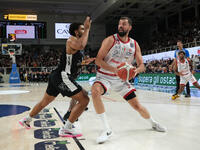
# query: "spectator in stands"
1,78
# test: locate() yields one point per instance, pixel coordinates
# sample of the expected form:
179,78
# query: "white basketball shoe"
105,135
157,127
67,132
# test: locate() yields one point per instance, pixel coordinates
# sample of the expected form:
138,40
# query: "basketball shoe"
69,132
175,96
25,122
157,127
105,135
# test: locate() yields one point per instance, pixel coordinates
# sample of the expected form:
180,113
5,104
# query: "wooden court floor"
131,132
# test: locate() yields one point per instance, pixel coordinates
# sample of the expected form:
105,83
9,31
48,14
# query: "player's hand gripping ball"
126,71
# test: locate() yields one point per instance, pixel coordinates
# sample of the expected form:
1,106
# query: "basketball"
126,71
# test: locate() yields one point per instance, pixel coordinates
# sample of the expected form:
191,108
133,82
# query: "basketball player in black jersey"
82,61
61,80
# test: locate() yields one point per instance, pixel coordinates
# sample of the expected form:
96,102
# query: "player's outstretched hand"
87,22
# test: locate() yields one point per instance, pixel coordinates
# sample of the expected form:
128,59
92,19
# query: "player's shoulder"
132,39
71,38
109,39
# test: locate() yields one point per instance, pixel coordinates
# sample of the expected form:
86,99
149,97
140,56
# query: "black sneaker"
187,95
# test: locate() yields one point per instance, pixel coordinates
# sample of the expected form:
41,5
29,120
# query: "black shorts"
60,82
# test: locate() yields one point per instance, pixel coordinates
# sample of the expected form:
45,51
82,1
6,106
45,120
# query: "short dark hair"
129,19
179,41
181,52
74,26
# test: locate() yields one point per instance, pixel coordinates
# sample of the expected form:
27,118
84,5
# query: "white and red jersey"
183,67
118,53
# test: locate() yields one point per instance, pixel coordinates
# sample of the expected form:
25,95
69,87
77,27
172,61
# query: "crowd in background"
164,66
42,76
34,76
189,32
40,57
33,58
158,66
41,63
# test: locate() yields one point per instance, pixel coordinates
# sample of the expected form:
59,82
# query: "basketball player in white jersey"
183,68
114,50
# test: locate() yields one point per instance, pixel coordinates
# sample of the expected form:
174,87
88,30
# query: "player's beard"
122,33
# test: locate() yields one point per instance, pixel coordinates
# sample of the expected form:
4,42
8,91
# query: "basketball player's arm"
103,51
139,60
80,43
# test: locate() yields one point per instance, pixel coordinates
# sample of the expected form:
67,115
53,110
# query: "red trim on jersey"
194,82
127,94
112,44
105,89
135,48
182,84
109,74
123,41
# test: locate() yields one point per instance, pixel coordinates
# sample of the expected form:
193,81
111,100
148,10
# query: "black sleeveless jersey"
70,63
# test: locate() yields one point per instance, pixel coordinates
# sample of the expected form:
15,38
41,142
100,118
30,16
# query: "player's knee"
86,100
182,88
96,91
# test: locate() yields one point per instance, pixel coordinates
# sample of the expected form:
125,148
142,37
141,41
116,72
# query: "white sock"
104,121
29,118
68,124
151,120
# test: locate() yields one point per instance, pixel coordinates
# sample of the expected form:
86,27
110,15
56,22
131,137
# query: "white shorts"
186,78
115,83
